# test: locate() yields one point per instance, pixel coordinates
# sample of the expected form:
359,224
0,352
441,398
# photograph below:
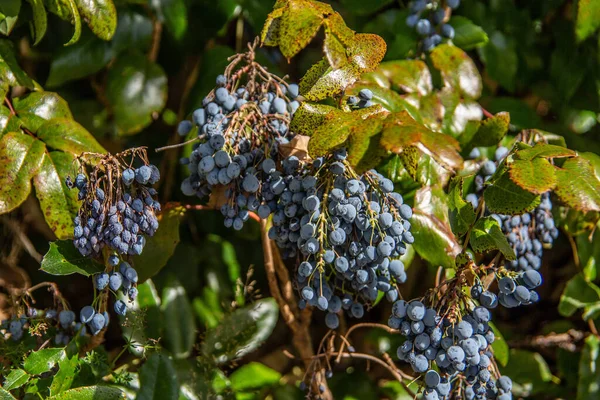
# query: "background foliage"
104,75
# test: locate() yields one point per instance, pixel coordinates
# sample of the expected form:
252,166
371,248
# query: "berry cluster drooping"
242,124
349,231
448,352
427,17
119,205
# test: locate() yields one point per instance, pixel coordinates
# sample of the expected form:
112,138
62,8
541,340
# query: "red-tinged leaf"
536,176
544,150
401,131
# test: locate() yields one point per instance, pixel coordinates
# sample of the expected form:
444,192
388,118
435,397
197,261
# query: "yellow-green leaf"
366,51
536,176
409,76
577,185
588,18
309,116
299,24
39,23
100,16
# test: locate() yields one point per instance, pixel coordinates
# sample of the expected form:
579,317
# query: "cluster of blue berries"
363,100
242,130
118,209
125,280
456,349
527,233
514,289
427,17
349,230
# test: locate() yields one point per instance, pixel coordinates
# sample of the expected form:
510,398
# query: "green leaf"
20,158
527,368
500,347
504,196
174,14
91,393
15,379
536,176
543,150
578,293
366,51
42,106
158,379
322,81
100,16
577,185
253,376
400,131
136,89
300,22
409,76
160,247
5,395
10,69
242,331
67,135
310,116
467,35
180,332
460,212
64,259
410,160
457,69
588,387
66,10
39,23
64,377
332,134
57,201
364,151
488,133
587,18
487,236
9,13
501,60
86,57
43,360
591,311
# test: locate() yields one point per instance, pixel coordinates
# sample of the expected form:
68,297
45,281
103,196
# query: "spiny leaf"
543,150
334,50
271,30
43,360
400,131
91,393
410,159
409,76
457,69
537,176
366,51
20,158
489,133
332,134
487,236
322,81
364,151
309,116
299,24
64,259
504,196
577,185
